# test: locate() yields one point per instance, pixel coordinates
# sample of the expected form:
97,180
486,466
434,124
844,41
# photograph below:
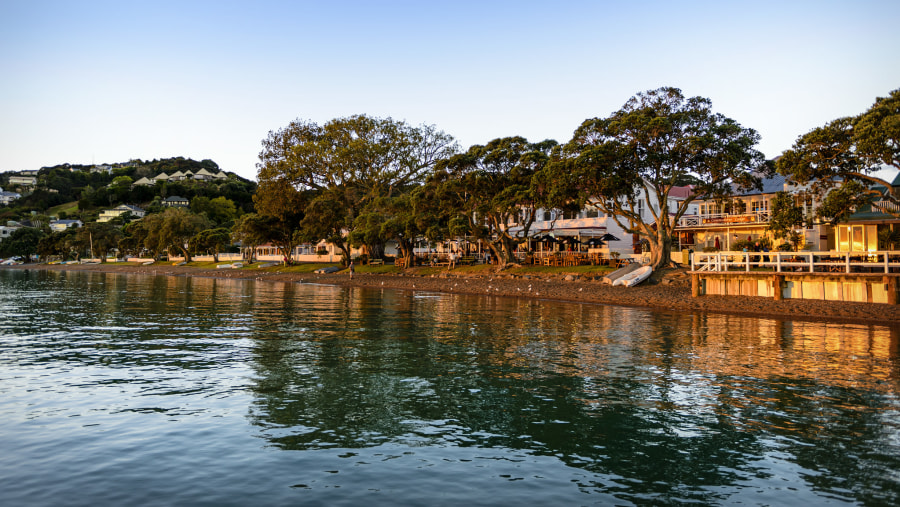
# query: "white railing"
723,219
887,206
806,262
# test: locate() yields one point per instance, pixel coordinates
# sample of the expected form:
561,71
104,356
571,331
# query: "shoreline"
673,294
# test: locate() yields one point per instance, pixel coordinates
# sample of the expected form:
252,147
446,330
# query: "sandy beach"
668,291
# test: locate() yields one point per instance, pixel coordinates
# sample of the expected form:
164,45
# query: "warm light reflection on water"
235,392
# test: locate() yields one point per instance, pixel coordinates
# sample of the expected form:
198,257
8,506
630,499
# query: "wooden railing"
808,262
723,219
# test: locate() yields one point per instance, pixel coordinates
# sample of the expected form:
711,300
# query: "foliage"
172,230
219,210
492,186
849,151
785,215
23,242
280,207
211,241
657,139
98,238
889,239
350,163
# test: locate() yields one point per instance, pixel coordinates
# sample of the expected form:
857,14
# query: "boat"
635,277
237,265
328,270
615,275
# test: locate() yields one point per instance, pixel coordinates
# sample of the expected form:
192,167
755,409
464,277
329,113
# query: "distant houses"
25,181
201,175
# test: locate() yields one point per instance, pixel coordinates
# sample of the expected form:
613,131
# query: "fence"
807,262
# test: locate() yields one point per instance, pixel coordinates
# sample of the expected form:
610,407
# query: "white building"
107,215
61,225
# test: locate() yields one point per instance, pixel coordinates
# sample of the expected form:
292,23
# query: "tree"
635,156
491,188
99,238
356,160
785,216
23,242
849,151
280,207
172,230
211,241
219,210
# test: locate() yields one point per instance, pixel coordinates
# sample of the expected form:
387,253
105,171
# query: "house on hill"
176,201
61,225
7,197
107,215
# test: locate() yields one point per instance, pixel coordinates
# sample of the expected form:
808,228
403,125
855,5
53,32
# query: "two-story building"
176,201
745,216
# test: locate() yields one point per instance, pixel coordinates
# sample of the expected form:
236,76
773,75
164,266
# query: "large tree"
98,238
172,230
491,188
23,242
280,207
846,154
625,163
356,160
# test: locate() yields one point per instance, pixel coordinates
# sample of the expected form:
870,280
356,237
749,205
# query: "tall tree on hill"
659,138
848,152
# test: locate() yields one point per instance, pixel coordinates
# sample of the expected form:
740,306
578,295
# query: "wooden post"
777,283
890,284
695,285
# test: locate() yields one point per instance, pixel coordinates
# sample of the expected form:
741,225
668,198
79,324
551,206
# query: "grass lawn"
70,208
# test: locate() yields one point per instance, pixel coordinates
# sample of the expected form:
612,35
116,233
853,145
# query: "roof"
681,192
175,198
770,185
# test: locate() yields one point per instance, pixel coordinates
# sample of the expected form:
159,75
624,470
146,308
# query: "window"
640,208
548,216
591,213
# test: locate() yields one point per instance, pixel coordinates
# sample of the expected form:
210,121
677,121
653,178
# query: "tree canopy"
849,151
491,187
626,162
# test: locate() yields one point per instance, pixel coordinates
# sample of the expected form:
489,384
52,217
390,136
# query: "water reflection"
631,405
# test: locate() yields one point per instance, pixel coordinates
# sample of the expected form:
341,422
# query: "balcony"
722,220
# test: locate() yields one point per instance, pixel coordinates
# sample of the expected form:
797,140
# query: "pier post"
695,285
777,284
890,284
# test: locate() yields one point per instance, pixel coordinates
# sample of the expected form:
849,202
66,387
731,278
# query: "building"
860,233
61,225
25,181
107,215
745,216
8,197
592,223
176,201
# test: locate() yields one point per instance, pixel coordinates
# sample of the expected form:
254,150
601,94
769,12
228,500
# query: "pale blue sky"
92,82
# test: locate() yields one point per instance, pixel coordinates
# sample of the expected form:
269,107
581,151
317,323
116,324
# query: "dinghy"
635,277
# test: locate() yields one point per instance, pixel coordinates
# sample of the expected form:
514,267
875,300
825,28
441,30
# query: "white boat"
610,278
635,277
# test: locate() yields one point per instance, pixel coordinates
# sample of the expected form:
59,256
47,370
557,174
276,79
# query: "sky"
91,82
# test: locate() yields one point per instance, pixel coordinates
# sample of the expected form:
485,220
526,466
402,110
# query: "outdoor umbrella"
609,237
595,242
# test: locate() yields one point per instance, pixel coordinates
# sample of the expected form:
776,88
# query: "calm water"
139,390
